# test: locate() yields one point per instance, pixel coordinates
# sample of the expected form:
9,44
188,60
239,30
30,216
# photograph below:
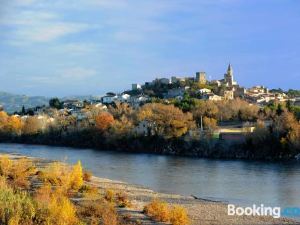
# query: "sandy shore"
201,212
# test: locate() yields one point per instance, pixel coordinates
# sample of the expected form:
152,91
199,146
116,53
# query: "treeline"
181,127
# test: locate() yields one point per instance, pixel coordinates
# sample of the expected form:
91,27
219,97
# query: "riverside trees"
118,126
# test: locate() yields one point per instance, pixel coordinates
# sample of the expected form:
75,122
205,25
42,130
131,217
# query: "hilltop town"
197,86
205,116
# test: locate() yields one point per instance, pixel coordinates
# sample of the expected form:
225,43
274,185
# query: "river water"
234,181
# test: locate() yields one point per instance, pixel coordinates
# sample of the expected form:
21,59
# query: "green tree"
55,103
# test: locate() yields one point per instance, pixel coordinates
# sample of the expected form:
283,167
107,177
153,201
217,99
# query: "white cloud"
46,32
39,26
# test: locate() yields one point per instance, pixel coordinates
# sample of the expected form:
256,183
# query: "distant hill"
13,102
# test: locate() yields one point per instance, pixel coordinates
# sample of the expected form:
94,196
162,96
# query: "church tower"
229,76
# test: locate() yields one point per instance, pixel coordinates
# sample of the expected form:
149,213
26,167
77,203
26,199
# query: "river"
242,182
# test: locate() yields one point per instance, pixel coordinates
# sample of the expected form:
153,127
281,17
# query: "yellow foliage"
76,176
178,216
162,212
109,195
158,210
99,210
18,170
5,165
62,211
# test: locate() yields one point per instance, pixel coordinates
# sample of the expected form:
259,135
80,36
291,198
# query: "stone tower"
201,77
229,76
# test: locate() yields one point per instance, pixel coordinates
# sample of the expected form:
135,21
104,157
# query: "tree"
104,120
31,126
204,109
55,103
23,112
210,123
166,121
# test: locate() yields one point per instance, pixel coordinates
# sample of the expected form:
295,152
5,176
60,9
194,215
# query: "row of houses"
261,95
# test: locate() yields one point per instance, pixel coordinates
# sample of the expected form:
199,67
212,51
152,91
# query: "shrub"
16,171
5,165
16,208
87,175
178,216
62,211
56,174
43,194
109,195
21,170
122,200
158,210
63,176
89,191
76,176
99,210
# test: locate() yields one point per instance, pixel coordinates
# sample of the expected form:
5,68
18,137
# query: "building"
136,87
228,77
203,91
109,98
228,94
201,77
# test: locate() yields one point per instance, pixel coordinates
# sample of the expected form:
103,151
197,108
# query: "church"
228,87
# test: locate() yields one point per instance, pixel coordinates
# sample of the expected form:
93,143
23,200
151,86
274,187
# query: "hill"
13,102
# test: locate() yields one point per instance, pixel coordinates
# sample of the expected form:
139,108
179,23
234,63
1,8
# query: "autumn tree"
203,109
14,125
210,123
104,120
166,120
31,125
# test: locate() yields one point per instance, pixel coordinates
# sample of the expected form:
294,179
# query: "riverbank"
200,211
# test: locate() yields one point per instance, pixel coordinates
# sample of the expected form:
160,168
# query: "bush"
89,191
63,176
16,171
87,175
16,208
178,216
99,210
62,211
122,200
109,195
76,176
158,210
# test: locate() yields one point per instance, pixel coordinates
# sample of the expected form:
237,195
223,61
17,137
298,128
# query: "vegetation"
163,212
184,127
47,199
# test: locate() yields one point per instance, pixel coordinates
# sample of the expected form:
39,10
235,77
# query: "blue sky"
77,47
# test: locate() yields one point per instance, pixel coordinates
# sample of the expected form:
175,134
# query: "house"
137,100
123,98
203,91
109,98
212,97
73,104
228,94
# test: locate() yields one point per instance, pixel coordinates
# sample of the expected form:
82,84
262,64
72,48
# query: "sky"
80,47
